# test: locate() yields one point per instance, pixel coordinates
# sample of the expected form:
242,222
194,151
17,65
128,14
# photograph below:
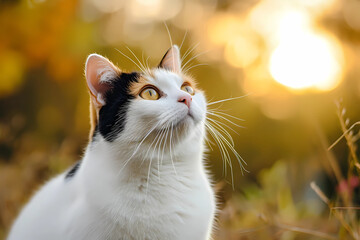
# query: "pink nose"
185,99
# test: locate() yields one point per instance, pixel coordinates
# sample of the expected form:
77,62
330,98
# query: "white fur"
128,188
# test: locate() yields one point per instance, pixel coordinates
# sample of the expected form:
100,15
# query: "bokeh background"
295,62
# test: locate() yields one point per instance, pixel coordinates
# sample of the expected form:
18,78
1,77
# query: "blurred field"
297,63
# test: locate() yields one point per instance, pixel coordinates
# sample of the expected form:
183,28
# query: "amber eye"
187,88
149,94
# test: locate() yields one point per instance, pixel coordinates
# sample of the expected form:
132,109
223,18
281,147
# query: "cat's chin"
187,121
186,125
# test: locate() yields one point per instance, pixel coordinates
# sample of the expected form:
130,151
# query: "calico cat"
142,175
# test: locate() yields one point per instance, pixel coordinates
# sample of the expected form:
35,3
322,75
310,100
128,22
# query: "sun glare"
304,58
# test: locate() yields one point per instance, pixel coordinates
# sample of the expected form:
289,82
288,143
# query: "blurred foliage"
292,60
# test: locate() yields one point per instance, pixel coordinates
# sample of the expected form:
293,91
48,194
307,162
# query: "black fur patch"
112,116
73,170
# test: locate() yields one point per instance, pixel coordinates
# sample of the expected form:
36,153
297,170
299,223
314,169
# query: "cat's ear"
171,60
99,73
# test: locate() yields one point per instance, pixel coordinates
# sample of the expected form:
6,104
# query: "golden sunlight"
304,58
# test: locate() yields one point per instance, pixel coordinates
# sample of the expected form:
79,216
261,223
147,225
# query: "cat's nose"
186,99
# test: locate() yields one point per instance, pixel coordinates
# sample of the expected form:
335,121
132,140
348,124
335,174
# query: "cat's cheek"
198,109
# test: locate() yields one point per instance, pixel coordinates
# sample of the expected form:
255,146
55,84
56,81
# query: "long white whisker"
151,158
142,66
149,168
219,116
217,142
238,157
136,150
189,51
155,140
168,32
164,144
228,158
182,42
223,125
138,146
129,58
161,148
147,64
222,129
193,66
223,151
193,57
171,156
171,43
227,99
226,114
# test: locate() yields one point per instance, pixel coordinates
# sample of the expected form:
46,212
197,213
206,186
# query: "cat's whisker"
226,114
226,153
165,143
147,65
189,51
209,142
216,130
139,145
213,134
150,147
192,58
142,66
183,40
194,66
171,42
161,149
136,149
168,32
158,154
155,148
170,146
130,59
151,158
227,99
222,129
224,118
223,151
237,155
223,125
219,107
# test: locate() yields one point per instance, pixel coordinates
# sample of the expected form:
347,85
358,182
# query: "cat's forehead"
160,78
166,78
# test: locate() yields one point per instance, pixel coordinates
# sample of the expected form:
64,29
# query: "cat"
142,175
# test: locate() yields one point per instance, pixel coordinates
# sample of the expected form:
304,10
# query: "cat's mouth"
186,120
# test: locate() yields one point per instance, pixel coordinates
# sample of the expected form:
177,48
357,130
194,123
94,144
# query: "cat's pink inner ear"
99,73
171,60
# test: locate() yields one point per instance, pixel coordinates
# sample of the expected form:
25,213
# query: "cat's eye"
150,94
187,88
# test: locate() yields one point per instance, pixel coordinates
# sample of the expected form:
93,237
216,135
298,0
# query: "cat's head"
140,106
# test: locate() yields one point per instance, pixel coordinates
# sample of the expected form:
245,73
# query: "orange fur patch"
190,80
136,87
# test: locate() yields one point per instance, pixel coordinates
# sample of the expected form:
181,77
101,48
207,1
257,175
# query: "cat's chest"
163,201
161,195
170,210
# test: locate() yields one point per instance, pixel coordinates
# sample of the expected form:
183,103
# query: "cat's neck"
131,158
106,167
